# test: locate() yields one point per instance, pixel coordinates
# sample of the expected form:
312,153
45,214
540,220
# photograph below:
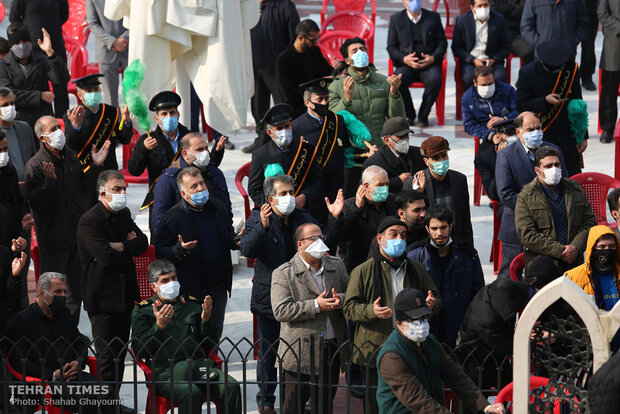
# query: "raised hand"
382,312
18,264
49,170
46,44
337,206
347,88
394,82
76,116
207,307
360,196
265,212
150,143
221,143
18,244
430,300
100,156
164,315
187,245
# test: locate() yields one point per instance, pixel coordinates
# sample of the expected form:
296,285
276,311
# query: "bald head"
526,122
45,125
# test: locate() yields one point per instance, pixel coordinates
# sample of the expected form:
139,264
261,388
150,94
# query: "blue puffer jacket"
476,110
459,283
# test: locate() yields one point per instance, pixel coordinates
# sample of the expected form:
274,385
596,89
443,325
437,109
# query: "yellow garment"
582,274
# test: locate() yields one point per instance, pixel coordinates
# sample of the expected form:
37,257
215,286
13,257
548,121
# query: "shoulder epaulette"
193,298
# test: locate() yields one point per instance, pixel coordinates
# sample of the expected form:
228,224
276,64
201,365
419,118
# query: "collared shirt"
414,19
317,118
15,153
528,152
482,35
317,275
175,143
398,281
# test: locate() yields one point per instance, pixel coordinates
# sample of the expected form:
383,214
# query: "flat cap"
395,126
277,114
388,222
317,86
433,146
164,99
507,126
88,81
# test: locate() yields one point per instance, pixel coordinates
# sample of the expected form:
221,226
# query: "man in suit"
514,168
609,15
108,240
307,296
444,186
481,38
111,41
399,159
417,45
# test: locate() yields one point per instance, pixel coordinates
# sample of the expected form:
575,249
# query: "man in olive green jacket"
373,285
368,95
553,215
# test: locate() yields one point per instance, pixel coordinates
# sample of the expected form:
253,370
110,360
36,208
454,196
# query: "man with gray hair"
363,213
108,240
197,236
58,192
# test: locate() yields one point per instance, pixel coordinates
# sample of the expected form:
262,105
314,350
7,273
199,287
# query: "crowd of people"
358,237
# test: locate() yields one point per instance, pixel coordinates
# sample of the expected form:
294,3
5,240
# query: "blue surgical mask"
170,123
533,139
414,5
441,167
380,194
200,198
394,247
360,59
92,99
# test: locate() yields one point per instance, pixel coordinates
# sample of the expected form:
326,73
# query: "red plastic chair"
242,173
142,263
354,22
330,43
478,187
2,11
452,10
517,264
77,61
496,245
76,26
600,81
440,104
162,404
127,150
354,5
505,395
597,186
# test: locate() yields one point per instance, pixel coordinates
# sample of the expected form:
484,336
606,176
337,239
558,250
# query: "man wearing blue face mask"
514,168
92,122
444,186
455,268
373,285
197,235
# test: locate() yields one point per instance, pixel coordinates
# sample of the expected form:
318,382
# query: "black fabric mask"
604,260
320,109
58,302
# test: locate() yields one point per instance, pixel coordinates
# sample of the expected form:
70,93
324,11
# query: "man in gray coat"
609,16
307,294
111,41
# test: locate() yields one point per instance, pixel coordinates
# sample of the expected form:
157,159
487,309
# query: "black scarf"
377,275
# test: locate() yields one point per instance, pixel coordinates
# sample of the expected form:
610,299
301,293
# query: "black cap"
164,99
88,81
553,53
317,86
277,114
542,271
410,303
389,221
507,126
19,35
395,126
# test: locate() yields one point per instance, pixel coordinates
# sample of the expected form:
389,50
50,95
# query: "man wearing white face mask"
481,38
22,143
108,240
553,215
194,152
413,365
58,193
307,294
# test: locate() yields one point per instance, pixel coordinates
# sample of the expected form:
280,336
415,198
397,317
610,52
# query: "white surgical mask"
417,331
284,137
482,13
170,290
57,139
553,176
202,158
435,245
486,91
119,201
317,249
4,159
512,139
402,146
286,204
7,113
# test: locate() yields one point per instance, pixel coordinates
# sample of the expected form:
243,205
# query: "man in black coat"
33,97
539,91
39,15
481,38
10,285
399,159
274,31
108,240
197,236
512,11
15,212
58,192
417,45
301,62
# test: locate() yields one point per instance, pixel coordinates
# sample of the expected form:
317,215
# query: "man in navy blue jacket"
194,152
513,169
417,45
197,236
455,268
481,38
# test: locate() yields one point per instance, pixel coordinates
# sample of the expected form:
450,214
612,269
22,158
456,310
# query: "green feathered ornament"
578,119
134,99
359,136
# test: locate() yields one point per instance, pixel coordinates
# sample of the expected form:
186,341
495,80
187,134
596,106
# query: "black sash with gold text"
108,116
563,85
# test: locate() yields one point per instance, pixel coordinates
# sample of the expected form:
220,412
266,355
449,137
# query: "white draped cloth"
211,38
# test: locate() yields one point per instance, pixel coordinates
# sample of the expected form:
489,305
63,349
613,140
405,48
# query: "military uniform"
179,341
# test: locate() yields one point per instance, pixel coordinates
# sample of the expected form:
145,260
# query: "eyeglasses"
314,238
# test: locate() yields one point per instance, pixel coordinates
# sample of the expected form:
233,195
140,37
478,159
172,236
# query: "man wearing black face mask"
545,87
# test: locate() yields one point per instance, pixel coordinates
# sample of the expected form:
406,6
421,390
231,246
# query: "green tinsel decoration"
134,99
578,118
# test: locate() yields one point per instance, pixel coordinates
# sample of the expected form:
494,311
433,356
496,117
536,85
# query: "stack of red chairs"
350,18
